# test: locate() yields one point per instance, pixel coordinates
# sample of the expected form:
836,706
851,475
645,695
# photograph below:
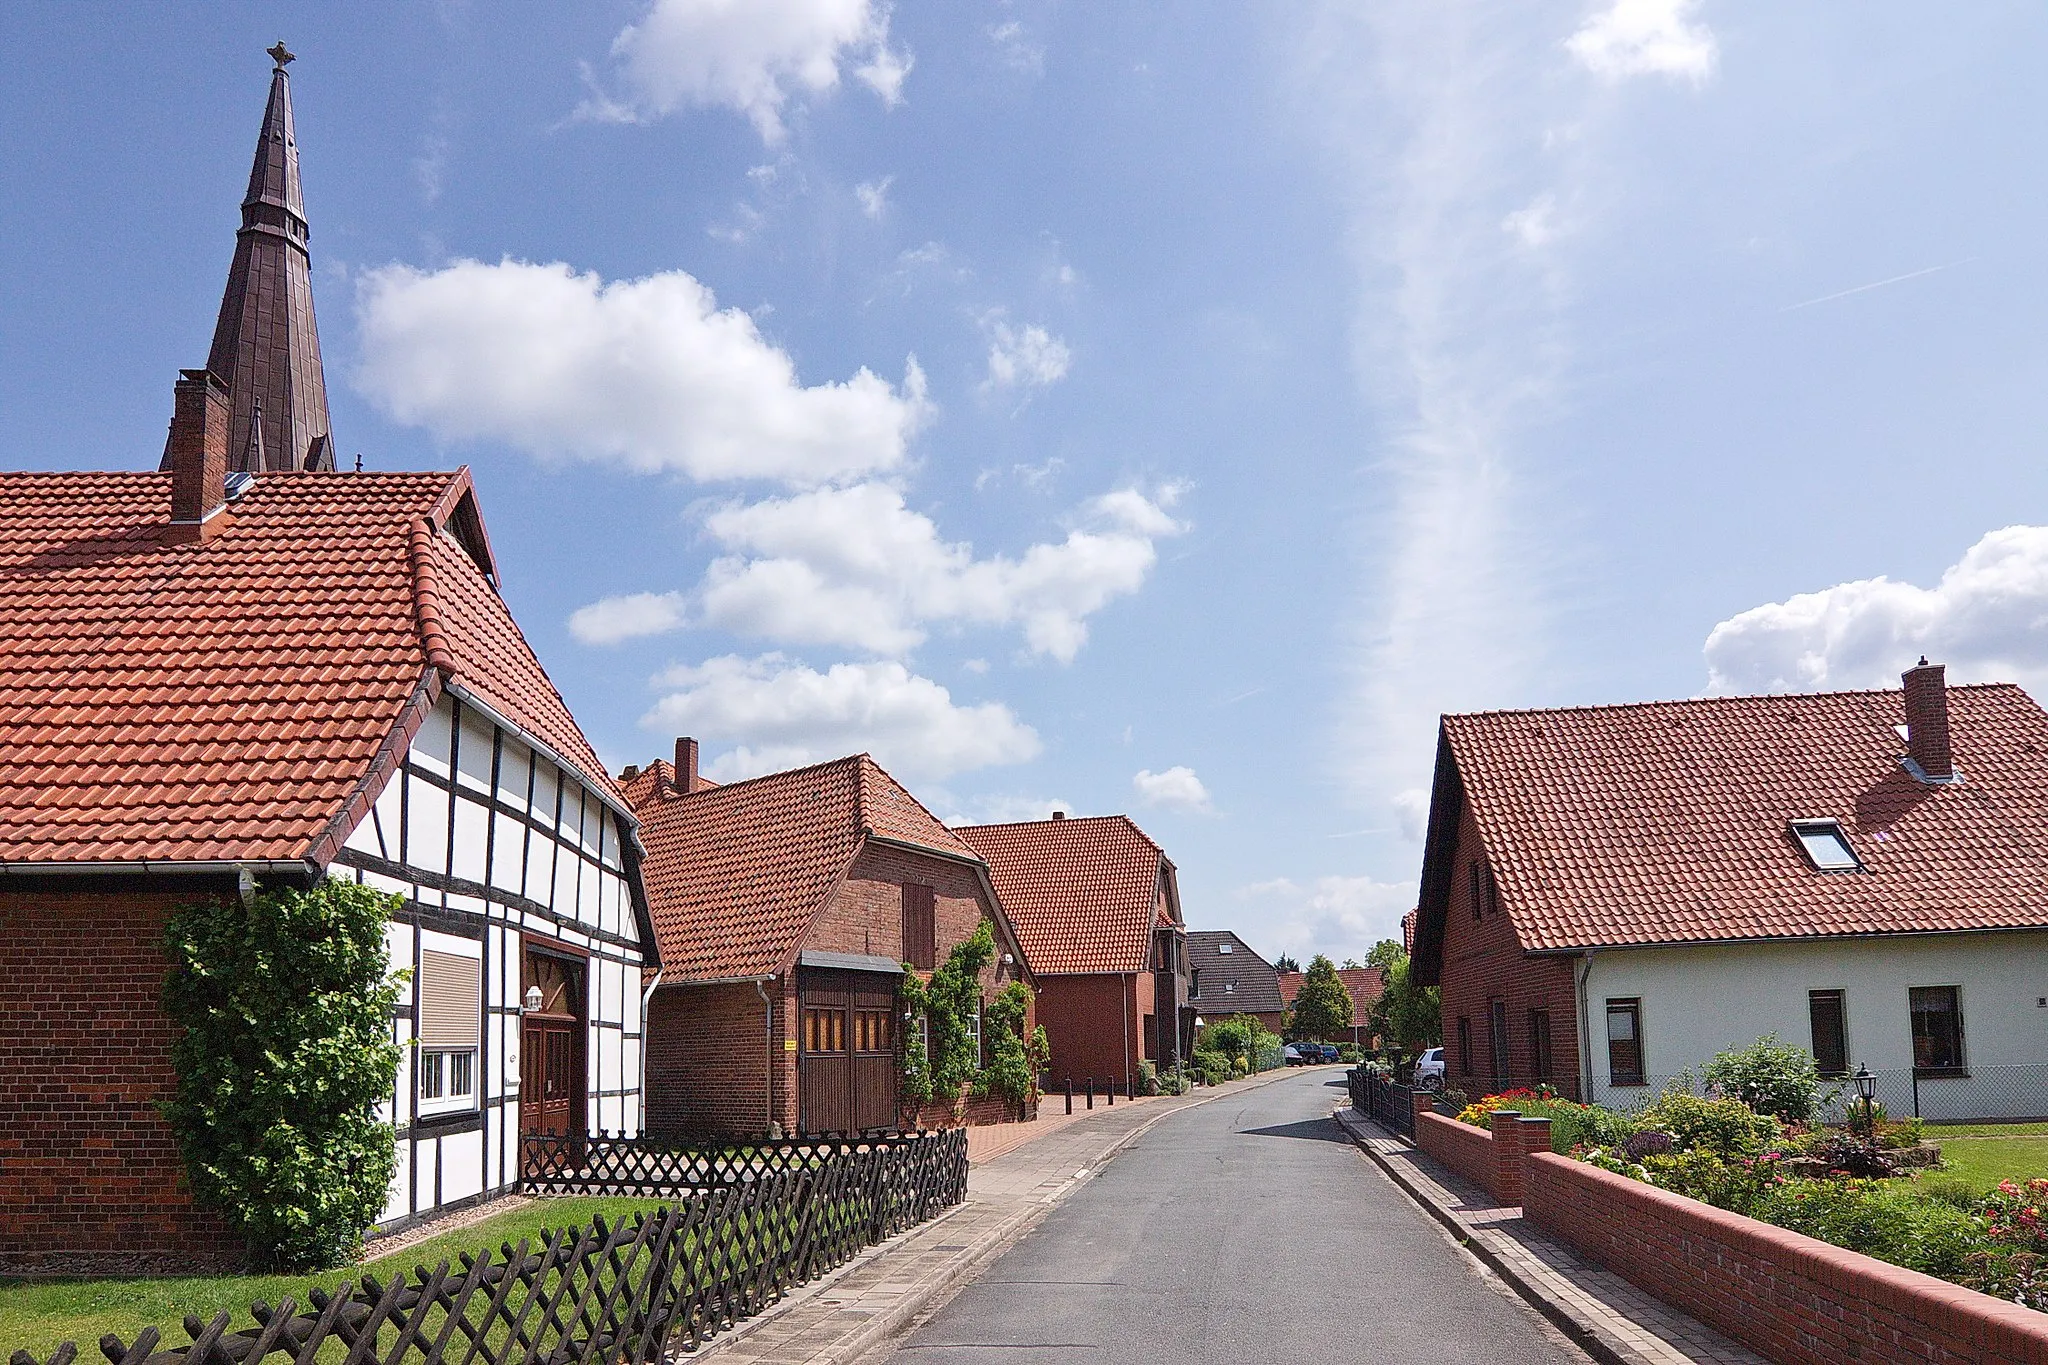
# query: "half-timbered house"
248,671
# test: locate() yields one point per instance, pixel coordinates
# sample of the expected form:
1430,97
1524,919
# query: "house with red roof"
1612,895
1226,976
1097,908
1365,987
244,671
788,908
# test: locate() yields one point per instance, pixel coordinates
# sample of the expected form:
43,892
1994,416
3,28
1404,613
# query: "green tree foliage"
1770,1077
1286,963
946,1005
1323,1008
1015,1057
1240,1038
1406,1015
286,1054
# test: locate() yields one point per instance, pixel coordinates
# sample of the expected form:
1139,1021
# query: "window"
1830,1031
872,1031
1497,1040
1484,892
974,1031
1195,984
1625,1042
1224,948
920,927
1230,986
450,1026
824,1029
1825,846
1937,1028
1539,1043
1464,1045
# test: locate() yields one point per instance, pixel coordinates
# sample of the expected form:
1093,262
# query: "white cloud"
855,566
625,618
874,196
1015,49
1535,223
1341,916
751,56
781,714
1986,619
1646,38
1024,357
1175,789
1001,808
649,373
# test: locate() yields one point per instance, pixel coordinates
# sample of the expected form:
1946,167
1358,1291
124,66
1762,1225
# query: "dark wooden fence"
1382,1101
741,1227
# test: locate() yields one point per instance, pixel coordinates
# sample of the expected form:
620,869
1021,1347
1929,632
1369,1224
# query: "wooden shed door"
847,1064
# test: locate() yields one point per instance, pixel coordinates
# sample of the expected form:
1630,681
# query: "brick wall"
1085,1019
1785,1296
706,1060
1460,1146
90,1176
972,1112
1483,962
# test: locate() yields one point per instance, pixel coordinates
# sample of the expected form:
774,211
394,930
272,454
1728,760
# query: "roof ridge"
1668,702
739,784
426,597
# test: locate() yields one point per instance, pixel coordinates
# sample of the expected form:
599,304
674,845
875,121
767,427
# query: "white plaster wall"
1698,1001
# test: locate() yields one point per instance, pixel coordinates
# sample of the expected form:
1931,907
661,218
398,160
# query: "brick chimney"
1059,815
198,454
686,764
1927,722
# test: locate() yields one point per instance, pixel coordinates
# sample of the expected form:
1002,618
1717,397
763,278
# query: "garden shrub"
1212,1066
1770,1077
284,1057
1889,1219
1726,1127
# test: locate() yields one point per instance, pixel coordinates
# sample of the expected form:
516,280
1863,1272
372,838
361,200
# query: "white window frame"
437,1065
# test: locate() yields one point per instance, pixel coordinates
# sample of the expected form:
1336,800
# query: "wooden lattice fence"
742,1227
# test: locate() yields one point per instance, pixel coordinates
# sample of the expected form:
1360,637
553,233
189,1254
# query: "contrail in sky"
1876,284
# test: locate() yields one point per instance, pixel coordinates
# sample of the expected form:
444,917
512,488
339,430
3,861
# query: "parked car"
1429,1070
1328,1050
1290,1055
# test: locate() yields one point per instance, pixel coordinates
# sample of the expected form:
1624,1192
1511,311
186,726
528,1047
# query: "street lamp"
1866,1091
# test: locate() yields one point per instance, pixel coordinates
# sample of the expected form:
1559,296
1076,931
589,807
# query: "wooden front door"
551,1071
846,1063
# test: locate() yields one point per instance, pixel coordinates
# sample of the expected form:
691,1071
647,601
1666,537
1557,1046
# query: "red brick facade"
1483,964
90,1176
709,1067
1097,1026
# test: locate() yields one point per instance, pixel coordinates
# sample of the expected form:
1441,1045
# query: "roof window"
1825,846
1223,948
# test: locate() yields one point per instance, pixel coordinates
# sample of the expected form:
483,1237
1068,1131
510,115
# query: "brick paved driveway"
1246,1230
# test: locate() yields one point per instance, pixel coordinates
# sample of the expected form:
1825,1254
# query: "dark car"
1329,1051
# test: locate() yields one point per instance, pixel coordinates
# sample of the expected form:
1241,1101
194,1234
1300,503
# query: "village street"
1246,1229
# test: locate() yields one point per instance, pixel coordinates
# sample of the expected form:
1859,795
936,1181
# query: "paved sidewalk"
881,1291
1612,1319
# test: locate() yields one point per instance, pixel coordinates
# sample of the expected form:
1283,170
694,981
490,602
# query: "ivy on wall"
939,1052
286,1053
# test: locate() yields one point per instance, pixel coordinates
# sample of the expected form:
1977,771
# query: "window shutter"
920,930
451,999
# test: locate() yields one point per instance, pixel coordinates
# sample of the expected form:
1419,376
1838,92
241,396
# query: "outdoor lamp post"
1866,1091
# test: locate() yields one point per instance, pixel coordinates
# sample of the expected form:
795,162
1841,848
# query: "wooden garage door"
846,1067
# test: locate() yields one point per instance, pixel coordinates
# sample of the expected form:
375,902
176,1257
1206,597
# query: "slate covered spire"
266,345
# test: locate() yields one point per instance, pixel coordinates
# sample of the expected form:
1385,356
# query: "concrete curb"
1582,1332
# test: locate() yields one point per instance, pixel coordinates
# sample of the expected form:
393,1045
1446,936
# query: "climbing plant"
1015,1055
285,1005
945,1005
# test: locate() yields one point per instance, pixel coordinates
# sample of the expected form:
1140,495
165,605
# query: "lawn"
36,1315
1981,1162
1938,1131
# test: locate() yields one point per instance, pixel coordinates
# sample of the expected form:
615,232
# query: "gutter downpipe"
768,1037
1584,976
646,999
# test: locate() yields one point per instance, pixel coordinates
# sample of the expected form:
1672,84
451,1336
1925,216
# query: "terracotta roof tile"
1668,822
1364,983
735,873
221,699
1079,891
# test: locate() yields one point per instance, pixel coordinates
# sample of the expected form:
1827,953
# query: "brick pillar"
1507,1155
1423,1102
1533,1135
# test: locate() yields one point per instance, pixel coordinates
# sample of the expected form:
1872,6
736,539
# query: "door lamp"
532,999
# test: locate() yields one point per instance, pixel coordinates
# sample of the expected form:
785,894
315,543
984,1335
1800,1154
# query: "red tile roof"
224,699
1364,983
1668,822
1080,891
736,873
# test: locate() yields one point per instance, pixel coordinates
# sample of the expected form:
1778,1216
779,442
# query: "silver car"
1429,1070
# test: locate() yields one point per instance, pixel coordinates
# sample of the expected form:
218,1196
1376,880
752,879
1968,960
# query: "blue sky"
1155,409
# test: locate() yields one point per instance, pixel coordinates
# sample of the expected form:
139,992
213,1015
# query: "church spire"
266,345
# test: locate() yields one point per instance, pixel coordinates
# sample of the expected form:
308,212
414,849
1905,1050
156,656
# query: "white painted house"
1613,895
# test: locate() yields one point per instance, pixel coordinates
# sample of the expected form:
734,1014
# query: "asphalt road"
1245,1230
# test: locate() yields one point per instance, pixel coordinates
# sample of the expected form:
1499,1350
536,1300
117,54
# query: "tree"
1406,1015
285,1005
1285,963
1323,1008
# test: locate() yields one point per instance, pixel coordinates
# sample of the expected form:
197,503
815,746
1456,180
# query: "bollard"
1070,1094
1110,1086
1091,1092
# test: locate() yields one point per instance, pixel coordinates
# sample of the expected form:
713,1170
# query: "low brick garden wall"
1789,1297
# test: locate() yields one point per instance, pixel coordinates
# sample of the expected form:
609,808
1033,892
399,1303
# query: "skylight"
1223,947
1826,847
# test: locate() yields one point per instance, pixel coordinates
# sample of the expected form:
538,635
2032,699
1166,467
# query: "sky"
1168,410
